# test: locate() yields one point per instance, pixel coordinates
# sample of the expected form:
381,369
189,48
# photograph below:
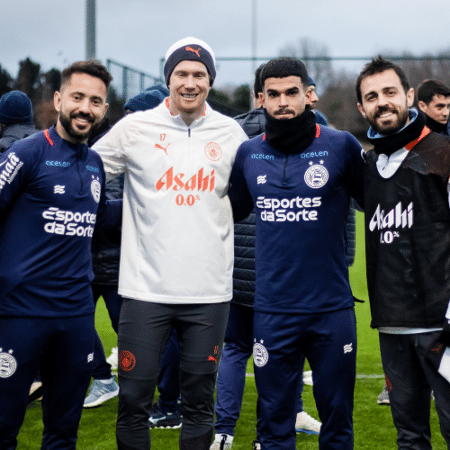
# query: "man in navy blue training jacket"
299,176
51,197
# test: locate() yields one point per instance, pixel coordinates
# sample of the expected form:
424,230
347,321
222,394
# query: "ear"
106,109
261,98
422,106
361,110
308,94
57,100
410,97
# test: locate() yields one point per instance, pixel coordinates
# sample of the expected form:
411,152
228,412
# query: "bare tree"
419,68
6,81
316,58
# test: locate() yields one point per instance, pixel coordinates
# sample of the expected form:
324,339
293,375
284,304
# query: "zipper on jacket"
79,151
284,170
189,132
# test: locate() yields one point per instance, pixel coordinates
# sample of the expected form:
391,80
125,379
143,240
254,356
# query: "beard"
394,125
78,136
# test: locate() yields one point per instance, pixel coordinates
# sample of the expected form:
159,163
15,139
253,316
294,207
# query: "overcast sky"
137,33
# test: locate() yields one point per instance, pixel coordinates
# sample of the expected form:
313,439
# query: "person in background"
313,100
16,118
433,99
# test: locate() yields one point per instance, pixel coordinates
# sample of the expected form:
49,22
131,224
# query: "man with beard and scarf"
299,177
51,197
433,99
407,213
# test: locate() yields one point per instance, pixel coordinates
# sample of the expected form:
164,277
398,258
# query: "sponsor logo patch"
196,182
57,163
262,179
9,169
316,176
59,189
288,209
260,354
69,223
8,364
392,222
193,50
127,361
213,151
96,189
348,348
164,149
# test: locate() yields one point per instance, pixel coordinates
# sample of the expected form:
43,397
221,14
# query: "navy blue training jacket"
51,193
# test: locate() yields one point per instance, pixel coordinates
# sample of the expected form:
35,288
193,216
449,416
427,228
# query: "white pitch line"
358,376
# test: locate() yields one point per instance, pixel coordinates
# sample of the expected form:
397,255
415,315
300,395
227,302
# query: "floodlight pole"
90,29
254,18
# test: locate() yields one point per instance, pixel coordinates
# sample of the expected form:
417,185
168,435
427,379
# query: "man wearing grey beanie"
16,118
177,244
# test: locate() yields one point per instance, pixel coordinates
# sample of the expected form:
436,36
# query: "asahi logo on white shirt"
393,221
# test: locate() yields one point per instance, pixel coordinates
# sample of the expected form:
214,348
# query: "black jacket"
106,242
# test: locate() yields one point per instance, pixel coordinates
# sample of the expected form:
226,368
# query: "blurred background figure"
433,99
16,118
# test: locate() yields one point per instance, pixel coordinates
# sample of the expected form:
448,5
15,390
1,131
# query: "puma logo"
162,148
190,49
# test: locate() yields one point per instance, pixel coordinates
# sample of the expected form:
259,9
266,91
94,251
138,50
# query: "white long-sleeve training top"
177,233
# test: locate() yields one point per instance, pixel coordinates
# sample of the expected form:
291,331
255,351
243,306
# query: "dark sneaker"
159,419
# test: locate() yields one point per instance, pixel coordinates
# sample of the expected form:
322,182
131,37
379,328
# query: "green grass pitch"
372,423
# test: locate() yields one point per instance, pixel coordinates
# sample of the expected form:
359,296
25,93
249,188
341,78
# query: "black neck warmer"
291,135
392,143
435,126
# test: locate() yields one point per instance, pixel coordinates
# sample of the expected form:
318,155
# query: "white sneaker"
307,424
307,378
222,442
100,392
383,398
113,359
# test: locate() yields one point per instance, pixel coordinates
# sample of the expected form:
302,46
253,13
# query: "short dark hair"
379,65
257,87
429,88
91,67
283,67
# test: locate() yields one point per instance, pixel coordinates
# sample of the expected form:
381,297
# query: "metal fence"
127,81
